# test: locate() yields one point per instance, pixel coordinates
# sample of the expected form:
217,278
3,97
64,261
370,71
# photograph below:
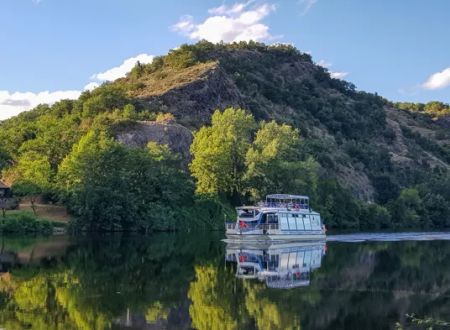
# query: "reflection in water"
280,265
182,282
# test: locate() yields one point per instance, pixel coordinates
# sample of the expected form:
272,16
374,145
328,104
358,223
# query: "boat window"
300,257
307,222
292,225
307,258
300,225
248,213
315,222
284,223
264,218
247,270
272,218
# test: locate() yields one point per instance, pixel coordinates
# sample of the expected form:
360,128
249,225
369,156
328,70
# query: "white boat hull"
276,237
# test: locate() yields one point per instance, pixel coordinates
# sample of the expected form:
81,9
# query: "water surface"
174,281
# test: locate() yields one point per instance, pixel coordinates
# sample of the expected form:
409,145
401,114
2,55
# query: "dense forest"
264,119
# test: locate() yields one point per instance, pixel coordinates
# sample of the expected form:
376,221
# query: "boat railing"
262,226
269,226
281,205
230,225
245,226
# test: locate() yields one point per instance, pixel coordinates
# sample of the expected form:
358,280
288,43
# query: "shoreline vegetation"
359,158
24,222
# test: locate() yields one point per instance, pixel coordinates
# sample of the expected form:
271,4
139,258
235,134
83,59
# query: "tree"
31,176
218,152
406,209
5,159
26,188
111,187
129,112
274,163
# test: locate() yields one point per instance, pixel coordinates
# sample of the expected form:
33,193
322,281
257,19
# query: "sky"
55,49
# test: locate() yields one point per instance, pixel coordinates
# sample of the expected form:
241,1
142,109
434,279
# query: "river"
184,281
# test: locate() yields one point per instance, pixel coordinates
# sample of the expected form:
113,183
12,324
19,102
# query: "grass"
53,213
166,79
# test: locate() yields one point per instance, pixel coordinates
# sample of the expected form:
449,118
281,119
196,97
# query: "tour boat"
280,217
282,265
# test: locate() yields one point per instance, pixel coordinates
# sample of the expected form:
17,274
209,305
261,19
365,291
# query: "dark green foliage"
21,223
104,99
111,187
5,159
386,188
374,217
337,206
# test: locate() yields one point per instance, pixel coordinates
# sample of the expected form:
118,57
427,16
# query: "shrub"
20,223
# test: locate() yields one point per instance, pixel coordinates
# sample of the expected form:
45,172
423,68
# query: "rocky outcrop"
193,103
176,136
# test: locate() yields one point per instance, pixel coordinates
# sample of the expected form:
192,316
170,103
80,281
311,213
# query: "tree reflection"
181,281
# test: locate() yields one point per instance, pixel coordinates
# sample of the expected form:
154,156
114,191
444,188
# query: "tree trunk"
33,206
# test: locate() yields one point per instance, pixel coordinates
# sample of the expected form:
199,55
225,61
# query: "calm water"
198,281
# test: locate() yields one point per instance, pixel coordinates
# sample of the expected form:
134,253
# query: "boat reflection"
280,265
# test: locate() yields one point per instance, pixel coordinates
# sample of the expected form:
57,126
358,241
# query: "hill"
376,150
359,136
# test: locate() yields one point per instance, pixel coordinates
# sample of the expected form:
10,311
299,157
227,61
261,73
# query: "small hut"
5,191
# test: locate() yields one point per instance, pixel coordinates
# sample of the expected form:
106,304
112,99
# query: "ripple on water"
389,237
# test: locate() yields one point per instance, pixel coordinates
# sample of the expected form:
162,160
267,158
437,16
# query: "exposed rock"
177,137
193,103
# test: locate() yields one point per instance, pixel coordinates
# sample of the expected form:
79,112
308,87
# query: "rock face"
177,137
193,103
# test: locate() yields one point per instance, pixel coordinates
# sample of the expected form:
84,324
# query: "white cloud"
306,5
91,86
238,22
324,64
338,74
333,74
438,80
12,104
121,70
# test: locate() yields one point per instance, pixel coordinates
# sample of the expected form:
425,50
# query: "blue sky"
52,49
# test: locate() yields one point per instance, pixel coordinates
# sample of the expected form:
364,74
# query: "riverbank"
24,222
54,213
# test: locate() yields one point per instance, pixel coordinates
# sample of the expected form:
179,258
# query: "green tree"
32,176
274,163
219,150
406,209
25,188
111,187
129,112
5,159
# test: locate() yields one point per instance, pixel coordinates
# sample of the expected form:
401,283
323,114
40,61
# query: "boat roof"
287,284
286,196
247,207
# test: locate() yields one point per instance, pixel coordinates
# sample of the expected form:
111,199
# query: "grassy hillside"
377,151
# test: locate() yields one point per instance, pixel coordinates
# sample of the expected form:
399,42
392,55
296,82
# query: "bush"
20,223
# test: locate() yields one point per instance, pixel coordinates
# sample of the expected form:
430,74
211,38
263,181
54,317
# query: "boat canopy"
285,197
247,208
